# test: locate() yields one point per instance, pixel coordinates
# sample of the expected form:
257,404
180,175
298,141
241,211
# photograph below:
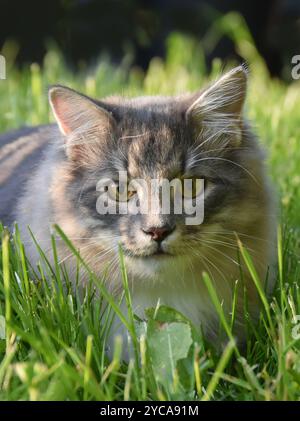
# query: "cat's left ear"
220,106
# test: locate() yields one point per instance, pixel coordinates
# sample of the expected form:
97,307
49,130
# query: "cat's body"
202,135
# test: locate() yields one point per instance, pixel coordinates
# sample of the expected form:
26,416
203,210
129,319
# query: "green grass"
52,339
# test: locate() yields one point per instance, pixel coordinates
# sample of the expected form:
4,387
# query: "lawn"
52,340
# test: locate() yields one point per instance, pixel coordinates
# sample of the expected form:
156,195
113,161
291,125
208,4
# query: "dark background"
83,29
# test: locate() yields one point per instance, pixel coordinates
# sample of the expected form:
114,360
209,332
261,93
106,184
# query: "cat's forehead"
153,134
147,113
156,152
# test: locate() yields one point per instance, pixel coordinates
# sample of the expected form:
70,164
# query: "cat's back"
21,151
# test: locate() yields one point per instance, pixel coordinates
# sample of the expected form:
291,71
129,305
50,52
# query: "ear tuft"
216,114
226,96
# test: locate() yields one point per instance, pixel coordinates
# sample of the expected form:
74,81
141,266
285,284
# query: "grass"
52,339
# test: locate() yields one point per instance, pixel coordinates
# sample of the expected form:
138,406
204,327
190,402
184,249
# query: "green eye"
119,195
191,188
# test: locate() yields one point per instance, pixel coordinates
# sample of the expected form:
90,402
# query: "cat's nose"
159,233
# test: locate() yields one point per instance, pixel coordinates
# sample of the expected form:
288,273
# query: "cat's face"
194,137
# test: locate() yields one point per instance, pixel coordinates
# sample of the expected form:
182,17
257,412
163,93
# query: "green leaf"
167,344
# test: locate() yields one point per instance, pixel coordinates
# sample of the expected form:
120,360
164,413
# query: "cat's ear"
85,125
75,112
219,108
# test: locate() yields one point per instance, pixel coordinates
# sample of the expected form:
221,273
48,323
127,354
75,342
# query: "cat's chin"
154,266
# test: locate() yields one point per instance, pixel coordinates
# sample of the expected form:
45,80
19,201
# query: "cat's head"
192,136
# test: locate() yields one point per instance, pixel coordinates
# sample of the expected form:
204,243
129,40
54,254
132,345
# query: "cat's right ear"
80,120
75,112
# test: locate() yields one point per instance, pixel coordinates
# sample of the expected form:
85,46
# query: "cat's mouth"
159,253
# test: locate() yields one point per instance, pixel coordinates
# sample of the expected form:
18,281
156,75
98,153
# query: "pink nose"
158,233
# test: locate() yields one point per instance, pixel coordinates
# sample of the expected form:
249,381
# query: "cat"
203,135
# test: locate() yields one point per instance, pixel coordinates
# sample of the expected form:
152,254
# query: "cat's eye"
130,194
192,187
120,194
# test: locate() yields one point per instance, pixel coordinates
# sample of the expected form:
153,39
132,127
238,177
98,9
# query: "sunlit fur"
202,134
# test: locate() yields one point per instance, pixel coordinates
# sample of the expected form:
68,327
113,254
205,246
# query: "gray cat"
193,136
